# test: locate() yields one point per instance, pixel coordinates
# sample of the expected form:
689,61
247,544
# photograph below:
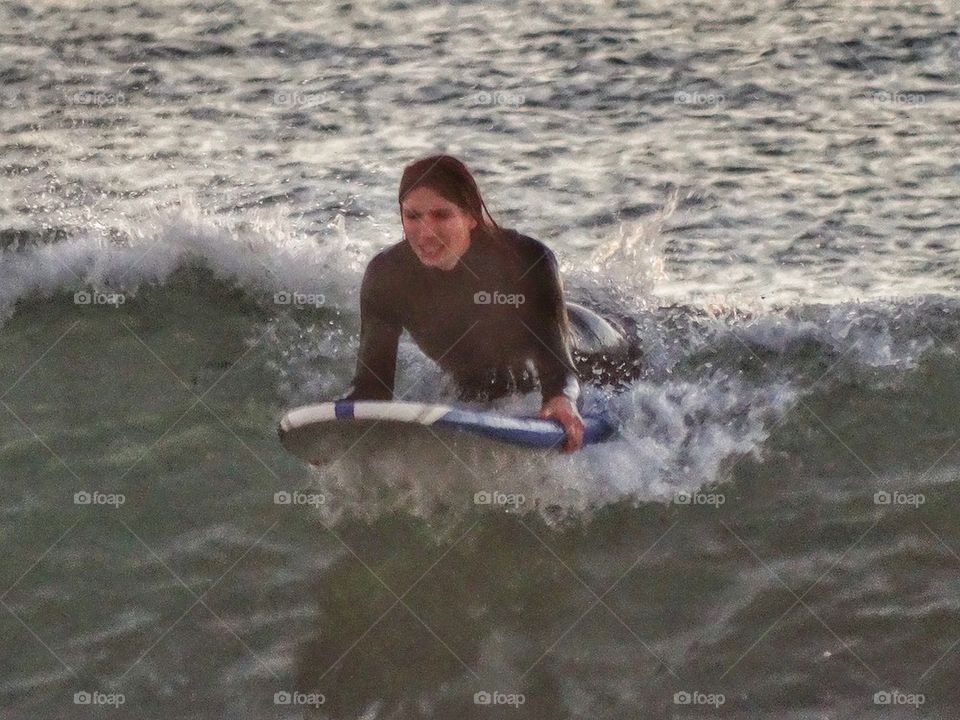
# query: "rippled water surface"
767,192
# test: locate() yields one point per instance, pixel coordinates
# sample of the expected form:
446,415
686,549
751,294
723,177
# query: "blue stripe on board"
343,409
532,432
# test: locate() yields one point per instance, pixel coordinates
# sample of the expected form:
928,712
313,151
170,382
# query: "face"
437,229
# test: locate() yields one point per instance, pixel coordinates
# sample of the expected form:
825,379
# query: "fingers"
574,430
573,427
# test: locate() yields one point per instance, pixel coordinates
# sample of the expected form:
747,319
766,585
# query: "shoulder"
389,262
388,270
397,256
533,252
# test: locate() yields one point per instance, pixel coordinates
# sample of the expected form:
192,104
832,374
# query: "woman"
485,303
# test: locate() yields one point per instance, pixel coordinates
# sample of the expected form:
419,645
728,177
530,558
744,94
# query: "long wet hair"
451,180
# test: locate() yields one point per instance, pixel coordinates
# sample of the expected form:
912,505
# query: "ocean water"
770,192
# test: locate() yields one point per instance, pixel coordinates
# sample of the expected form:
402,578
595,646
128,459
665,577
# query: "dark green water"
783,585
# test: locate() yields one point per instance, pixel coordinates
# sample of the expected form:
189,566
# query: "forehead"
423,198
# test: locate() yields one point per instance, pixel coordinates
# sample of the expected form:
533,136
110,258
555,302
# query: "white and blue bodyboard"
303,428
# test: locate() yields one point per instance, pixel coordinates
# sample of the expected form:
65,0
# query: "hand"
560,408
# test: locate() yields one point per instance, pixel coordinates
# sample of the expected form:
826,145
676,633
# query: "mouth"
432,250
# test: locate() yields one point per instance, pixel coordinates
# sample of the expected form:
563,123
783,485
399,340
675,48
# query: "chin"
442,262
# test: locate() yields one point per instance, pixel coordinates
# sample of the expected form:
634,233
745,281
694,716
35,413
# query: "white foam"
678,436
624,269
867,335
262,254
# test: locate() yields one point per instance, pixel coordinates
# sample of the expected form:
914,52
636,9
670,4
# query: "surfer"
484,302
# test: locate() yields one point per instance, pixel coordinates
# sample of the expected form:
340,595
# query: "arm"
379,336
558,378
555,367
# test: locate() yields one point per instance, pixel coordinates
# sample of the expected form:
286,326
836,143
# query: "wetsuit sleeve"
551,326
379,336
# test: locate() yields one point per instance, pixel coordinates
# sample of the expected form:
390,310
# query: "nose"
428,230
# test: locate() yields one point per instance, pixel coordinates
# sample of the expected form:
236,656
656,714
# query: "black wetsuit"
496,322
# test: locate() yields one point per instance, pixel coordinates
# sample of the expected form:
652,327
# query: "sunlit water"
770,194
